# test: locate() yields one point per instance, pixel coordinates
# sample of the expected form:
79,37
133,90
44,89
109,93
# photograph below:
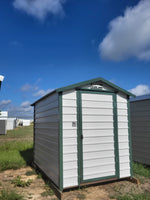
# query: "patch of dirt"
31,192
99,192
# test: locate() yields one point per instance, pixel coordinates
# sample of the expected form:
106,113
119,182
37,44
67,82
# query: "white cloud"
129,35
40,8
24,110
4,103
42,92
28,87
140,90
25,104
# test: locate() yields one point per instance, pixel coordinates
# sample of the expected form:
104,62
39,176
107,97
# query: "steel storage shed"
140,127
82,134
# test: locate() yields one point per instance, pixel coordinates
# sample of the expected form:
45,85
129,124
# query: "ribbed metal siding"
46,136
70,163
98,136
3,127
123,136
140,130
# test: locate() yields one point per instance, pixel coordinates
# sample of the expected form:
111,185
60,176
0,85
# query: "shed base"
54,187
59,193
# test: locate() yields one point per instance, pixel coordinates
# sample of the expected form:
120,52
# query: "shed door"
97,136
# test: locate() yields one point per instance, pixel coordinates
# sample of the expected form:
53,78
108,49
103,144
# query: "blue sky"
53,43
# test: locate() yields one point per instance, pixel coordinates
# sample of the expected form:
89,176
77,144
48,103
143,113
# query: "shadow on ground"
27,156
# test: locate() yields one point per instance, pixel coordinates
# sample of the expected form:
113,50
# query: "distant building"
13,122
3,115
24,122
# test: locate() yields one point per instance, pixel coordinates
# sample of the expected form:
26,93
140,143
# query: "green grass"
10,195
144,196
19,132
142,170
18,153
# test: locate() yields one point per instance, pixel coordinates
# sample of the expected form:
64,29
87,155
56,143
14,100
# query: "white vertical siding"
123,136
46,154
98,136
70,162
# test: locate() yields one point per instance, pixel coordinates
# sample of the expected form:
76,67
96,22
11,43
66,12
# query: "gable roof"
91,81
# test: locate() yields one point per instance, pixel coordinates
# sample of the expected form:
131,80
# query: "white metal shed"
82,134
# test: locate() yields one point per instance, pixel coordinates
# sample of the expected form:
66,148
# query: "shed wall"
3,125
70,146
140,129
70,162
123,136
11,123
46,130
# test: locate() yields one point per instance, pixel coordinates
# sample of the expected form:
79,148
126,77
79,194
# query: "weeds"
20,183
10,195
144,196
81,196
29,173
48,192
142,170
39,176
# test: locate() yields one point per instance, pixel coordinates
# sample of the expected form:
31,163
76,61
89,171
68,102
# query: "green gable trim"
91,81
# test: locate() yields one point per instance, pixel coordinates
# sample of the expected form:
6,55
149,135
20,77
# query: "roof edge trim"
69,87
76,85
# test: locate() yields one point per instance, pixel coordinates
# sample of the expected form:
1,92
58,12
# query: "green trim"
97,90
80,144
130,142
99,179
116,145
79,130
92,81
60,143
